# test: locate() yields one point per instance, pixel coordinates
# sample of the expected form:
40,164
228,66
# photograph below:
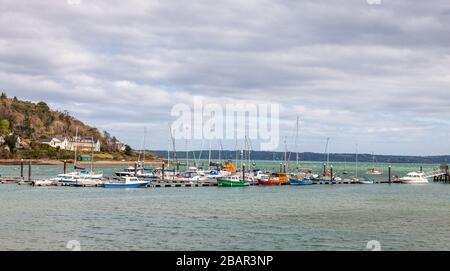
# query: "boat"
265,180
296,180
42,182
190,177
373,171
280,177
135,172
75,177
231,181
364,181
126,182
414,178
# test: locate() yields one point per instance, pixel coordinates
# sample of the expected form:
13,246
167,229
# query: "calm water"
341,217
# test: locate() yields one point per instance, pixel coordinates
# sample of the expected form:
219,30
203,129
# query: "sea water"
317,217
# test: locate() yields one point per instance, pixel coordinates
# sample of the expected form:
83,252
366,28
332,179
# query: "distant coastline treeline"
308,156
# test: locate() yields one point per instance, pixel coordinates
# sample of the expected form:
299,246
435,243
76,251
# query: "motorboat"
232,181
126,182
414,178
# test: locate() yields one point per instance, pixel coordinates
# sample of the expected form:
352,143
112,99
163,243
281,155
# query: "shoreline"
45,162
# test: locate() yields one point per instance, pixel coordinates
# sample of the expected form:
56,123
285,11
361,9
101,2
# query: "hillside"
24,125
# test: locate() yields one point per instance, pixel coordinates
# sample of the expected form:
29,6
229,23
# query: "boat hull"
228,183
414,181
300,182
268,183
122,185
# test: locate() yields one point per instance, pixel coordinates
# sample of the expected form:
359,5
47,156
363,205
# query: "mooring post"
421,169
135,169
29,170
324,169
178,166
390,174
163,171
65,167
243,172
21,168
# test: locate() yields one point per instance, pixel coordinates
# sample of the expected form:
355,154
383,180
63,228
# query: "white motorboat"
75,177
42,182
190,177
414,178
126,182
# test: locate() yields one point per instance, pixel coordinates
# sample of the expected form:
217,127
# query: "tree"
11,142
4,127
3,96
128,150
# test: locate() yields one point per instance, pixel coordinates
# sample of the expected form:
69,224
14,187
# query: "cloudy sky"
373,75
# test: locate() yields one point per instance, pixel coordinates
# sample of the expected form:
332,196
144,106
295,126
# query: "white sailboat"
80,176
373,171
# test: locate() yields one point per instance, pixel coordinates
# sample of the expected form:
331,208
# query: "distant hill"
315,157
24,123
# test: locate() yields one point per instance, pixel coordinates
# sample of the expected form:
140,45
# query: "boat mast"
187,151
209,155
285,153
92,154
356,160
143,149
328,153
296,140
220,151
76,147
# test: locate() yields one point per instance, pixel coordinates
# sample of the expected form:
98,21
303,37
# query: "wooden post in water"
421,168
21,168
29,170
390,174
243,172
135,169
163,171
324,169
65,167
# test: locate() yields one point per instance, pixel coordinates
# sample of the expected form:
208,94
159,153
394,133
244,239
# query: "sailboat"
80,176
356,179
373,171
299,178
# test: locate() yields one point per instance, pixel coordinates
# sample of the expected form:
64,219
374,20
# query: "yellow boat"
280,177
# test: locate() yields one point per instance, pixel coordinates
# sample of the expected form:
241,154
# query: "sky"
372,75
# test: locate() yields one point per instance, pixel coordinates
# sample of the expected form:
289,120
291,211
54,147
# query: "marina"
193,177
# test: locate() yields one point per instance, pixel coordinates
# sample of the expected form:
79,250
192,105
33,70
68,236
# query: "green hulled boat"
231,181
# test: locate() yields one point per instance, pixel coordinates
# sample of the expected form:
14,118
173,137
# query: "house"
18,143
57,142
2,140
83,144
118,146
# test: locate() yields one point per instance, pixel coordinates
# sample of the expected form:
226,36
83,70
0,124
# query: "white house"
57,142
2,140
84,144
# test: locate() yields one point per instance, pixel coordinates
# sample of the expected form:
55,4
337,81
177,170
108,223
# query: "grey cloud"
369,73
